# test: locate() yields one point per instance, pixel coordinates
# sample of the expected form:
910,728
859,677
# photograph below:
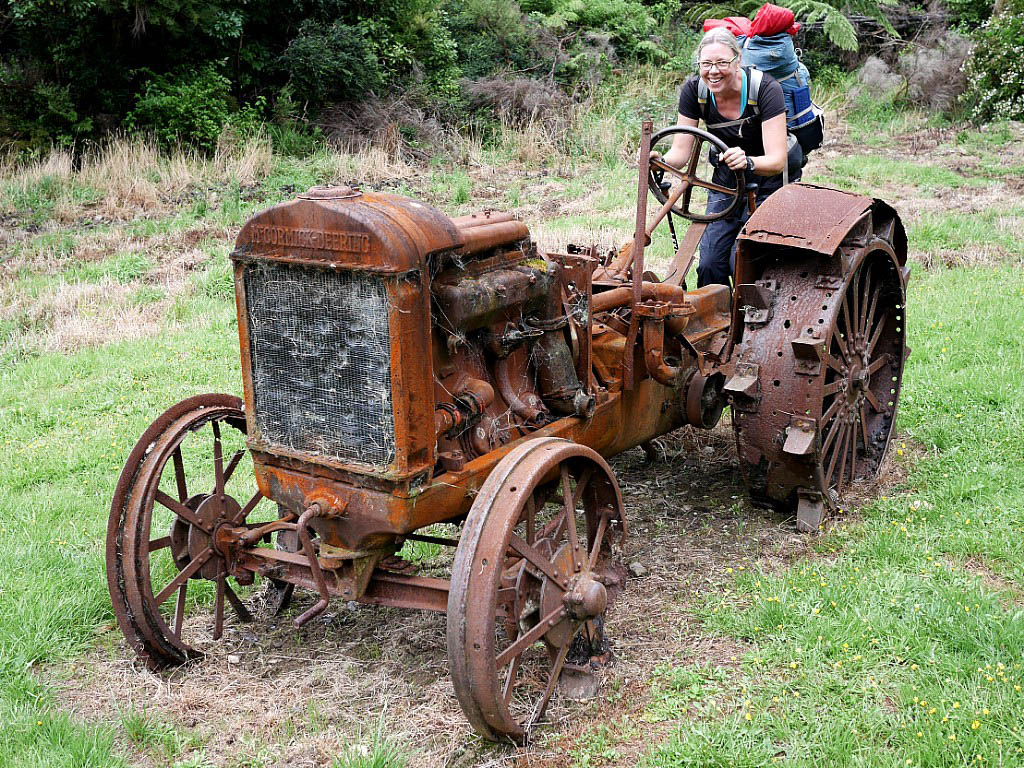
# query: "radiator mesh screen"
321,362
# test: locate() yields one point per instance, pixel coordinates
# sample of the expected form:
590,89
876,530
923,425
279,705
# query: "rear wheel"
828,362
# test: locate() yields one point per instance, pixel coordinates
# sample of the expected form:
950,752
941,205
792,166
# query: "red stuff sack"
773,20
738,25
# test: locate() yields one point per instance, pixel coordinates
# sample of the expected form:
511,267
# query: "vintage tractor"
402,369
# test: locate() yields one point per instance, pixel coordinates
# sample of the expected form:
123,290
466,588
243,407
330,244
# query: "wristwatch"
750,164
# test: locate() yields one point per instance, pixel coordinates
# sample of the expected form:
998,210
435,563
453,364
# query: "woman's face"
718,78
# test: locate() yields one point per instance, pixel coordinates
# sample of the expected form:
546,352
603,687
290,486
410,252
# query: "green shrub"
331,62
490,36
995,69
628,22
36,113
968,14
186,108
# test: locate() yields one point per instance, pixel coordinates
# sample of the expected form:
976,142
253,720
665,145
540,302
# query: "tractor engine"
391,343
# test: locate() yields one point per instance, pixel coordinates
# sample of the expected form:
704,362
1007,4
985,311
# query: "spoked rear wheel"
181,485
829,361
532,579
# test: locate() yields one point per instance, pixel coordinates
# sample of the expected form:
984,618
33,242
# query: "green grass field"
898,642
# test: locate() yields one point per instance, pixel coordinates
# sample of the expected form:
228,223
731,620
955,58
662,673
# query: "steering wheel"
658,168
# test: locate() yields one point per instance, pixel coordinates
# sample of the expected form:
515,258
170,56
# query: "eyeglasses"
721,66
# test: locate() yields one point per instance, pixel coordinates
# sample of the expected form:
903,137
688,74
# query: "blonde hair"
722,36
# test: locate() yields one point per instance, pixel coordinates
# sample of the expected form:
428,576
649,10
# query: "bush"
332,62
995,69
968,14
35,113
492,35
184,108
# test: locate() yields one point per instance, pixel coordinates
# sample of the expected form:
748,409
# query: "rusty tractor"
403,369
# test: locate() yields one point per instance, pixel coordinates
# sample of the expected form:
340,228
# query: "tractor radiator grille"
321,362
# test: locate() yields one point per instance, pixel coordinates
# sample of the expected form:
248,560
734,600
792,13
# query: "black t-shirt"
770,102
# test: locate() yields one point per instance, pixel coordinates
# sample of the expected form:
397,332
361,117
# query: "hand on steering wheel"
688,176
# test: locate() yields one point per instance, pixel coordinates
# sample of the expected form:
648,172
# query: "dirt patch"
1010,592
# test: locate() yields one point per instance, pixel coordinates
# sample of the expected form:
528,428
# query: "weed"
380,752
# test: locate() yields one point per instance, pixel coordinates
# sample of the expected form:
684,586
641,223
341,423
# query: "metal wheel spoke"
157,544
506,692
851,325
524,641
853,453
249,506
867,307
691,166
536,558
864,428
184,575
841,429
876,335
878,364
840,342
581,485
830,414
553,528
556,670
595,546
240,610
873,400
179,475
841,454
831,389
218,607
869,315
180,510
232,464
834,363
179,610
218,461
570,511
846,319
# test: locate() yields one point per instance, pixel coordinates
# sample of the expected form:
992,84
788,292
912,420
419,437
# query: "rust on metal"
401,368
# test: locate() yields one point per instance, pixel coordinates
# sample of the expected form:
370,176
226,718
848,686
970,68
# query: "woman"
755,134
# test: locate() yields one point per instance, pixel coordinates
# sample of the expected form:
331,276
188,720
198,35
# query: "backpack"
776,55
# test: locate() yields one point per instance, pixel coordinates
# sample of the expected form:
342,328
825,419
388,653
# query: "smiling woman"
747,111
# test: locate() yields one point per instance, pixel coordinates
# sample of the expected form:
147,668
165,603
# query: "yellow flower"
975,725
952,737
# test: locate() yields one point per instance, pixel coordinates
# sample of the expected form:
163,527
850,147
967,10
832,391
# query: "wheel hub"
212,512
586,598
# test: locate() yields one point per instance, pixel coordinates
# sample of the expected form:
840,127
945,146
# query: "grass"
920,598
902,642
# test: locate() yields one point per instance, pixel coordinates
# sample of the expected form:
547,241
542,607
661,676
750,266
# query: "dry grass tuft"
77,315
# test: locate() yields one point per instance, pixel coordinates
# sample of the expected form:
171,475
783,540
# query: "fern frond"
832,14
837,27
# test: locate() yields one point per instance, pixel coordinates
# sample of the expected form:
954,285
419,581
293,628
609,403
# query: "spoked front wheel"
532,579
183,484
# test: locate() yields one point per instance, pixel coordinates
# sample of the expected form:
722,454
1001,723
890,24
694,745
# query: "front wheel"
532,579
183,483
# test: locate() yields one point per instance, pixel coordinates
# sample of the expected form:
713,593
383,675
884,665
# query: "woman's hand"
734,158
